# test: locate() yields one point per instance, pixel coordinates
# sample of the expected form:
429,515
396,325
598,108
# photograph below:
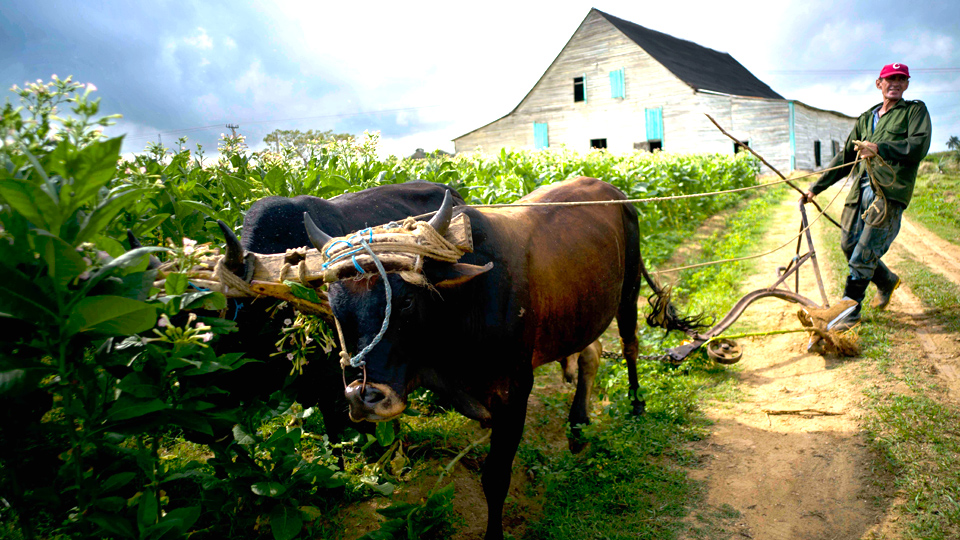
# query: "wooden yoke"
302,266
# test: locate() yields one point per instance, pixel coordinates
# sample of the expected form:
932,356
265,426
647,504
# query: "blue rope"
357,361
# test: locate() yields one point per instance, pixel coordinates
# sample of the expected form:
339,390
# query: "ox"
267,229
541,284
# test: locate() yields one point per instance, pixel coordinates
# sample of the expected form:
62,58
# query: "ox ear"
456,274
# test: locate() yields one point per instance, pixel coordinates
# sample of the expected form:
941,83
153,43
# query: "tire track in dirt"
938,254
791,476
940,348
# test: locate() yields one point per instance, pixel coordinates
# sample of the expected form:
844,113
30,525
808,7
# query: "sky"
422,73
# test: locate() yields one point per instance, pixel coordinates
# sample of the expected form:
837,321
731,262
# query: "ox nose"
372,395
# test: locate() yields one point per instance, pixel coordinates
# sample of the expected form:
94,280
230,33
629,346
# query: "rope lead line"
358,361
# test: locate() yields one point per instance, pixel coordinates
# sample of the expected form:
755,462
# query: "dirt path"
810,475
791,474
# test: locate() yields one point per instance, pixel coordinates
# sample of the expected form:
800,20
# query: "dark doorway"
598,143
816,153
737,148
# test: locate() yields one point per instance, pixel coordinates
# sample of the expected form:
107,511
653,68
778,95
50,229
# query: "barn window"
737,148
598,143
649,146
816,153
835,145
541,138
580,89
617,87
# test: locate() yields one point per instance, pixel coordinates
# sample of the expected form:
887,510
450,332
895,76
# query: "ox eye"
405,304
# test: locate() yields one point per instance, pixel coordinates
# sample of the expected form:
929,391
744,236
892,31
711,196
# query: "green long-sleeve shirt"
902,137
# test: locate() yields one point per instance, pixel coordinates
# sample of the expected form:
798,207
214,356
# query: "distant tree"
300,141
953,143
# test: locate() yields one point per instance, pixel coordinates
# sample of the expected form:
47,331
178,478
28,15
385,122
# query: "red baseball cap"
894,69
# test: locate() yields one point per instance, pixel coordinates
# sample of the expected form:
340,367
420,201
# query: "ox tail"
664,314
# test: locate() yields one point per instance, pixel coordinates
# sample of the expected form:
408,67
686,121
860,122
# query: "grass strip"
935,201
914,434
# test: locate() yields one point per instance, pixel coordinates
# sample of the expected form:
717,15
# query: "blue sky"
423,73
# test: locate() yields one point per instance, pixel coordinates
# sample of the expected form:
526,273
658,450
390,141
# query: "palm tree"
953,143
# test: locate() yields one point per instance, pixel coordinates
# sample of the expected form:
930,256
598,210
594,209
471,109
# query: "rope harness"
402,247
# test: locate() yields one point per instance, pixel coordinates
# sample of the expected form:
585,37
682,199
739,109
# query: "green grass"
915,435
936,199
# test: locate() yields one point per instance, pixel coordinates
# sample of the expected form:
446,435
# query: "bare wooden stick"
802,412
772,168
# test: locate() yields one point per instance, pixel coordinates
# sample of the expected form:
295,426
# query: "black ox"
542,283
268,227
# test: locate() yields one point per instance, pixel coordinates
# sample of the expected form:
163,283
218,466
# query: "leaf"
129,259
268,489
63,261
32,202
202,208
89,169
176,283
276,182
22,298
101,216
302,292
147,510
285,522
113,524
139,385
385,433
187,516
111,316
242,437
126,408
209,300
117,481
149,224
311,513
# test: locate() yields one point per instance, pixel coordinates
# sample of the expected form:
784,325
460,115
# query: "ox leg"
627,323
587,364
507,430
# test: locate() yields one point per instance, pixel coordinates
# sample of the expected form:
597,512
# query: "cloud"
924,45
200,40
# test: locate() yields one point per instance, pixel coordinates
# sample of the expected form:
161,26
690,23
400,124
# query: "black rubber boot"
855,290
885,290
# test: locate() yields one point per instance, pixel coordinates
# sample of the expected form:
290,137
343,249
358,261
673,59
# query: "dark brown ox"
541,284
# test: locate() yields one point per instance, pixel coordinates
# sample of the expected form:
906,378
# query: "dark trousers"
865,241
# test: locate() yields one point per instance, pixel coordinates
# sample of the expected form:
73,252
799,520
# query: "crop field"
106,433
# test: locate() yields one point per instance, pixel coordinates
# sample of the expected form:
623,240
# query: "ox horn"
133,240
441,221
234,257
317,237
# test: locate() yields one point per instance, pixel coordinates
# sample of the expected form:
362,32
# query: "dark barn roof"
698,66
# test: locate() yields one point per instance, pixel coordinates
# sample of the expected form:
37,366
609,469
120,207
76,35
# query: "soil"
791,457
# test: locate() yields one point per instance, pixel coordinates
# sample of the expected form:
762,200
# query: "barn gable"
696,65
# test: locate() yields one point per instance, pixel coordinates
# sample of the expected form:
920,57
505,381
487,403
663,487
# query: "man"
898,131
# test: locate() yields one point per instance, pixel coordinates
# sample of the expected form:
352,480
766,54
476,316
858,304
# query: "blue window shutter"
584,87
654,119
540,137
617,89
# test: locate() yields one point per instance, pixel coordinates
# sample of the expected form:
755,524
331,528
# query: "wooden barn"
620,86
